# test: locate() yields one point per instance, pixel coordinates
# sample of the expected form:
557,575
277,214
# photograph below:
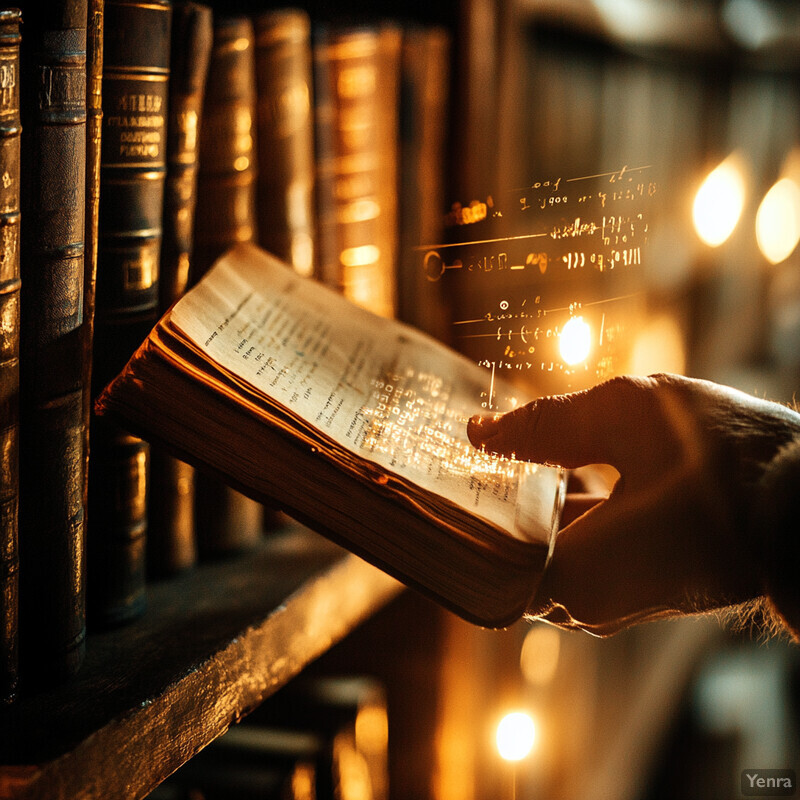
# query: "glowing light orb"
778,221
575,341
516,736
719,202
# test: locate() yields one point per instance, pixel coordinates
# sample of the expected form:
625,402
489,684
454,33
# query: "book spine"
356,99
171,541
94,126
285,138
226,520
225,211
136,48
52,430
425,82
10,129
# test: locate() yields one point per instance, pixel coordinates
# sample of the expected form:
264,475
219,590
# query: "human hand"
679,531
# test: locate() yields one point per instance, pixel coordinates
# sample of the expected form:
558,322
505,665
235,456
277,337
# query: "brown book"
285,127
424,114
170,537
226,520
355,423
9,351
356,83
132,171
52,370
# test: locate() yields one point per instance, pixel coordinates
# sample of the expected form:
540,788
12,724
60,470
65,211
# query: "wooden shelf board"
213,644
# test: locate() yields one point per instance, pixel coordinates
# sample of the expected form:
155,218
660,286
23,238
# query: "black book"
136,55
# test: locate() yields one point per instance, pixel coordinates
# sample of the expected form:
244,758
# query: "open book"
353,423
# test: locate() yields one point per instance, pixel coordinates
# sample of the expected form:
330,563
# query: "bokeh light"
575,341
719,201
516,736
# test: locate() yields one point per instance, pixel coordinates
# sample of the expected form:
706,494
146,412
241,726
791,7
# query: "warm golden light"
538,658
719,201
516,736
360,256
778,221
658,347
372,729
575,341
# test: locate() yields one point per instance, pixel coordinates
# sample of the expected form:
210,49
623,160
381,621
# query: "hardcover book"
225,520
356,101
354,423
9,352
171,538
136,58
285,127
52,368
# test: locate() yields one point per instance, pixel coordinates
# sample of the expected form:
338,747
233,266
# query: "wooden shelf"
213,644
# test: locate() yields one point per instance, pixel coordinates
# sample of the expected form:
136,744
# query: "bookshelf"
214,641
213,644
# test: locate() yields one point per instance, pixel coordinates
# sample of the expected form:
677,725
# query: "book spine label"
10,129
136,60
285,138
133,160
52,427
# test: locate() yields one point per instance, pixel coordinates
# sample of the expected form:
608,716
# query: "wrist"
776,522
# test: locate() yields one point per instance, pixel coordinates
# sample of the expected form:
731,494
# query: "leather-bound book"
226,521
9,351
52,429
285,126
170,538
94,129
136,52
425,86
356,109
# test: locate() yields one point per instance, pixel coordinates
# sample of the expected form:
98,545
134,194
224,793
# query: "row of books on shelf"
139,141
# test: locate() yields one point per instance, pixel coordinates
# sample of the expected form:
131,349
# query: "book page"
376,387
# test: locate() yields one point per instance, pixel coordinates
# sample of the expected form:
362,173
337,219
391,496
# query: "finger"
576,505
640,556
604,424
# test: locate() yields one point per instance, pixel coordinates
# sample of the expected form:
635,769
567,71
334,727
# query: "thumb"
595,426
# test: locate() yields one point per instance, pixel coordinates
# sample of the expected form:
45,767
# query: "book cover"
9,350
285,128
136,48
52,429
226,520
171,540
354,423
356,96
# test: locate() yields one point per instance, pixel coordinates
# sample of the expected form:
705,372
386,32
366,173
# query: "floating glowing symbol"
516,736
719,201
778,221
575,341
